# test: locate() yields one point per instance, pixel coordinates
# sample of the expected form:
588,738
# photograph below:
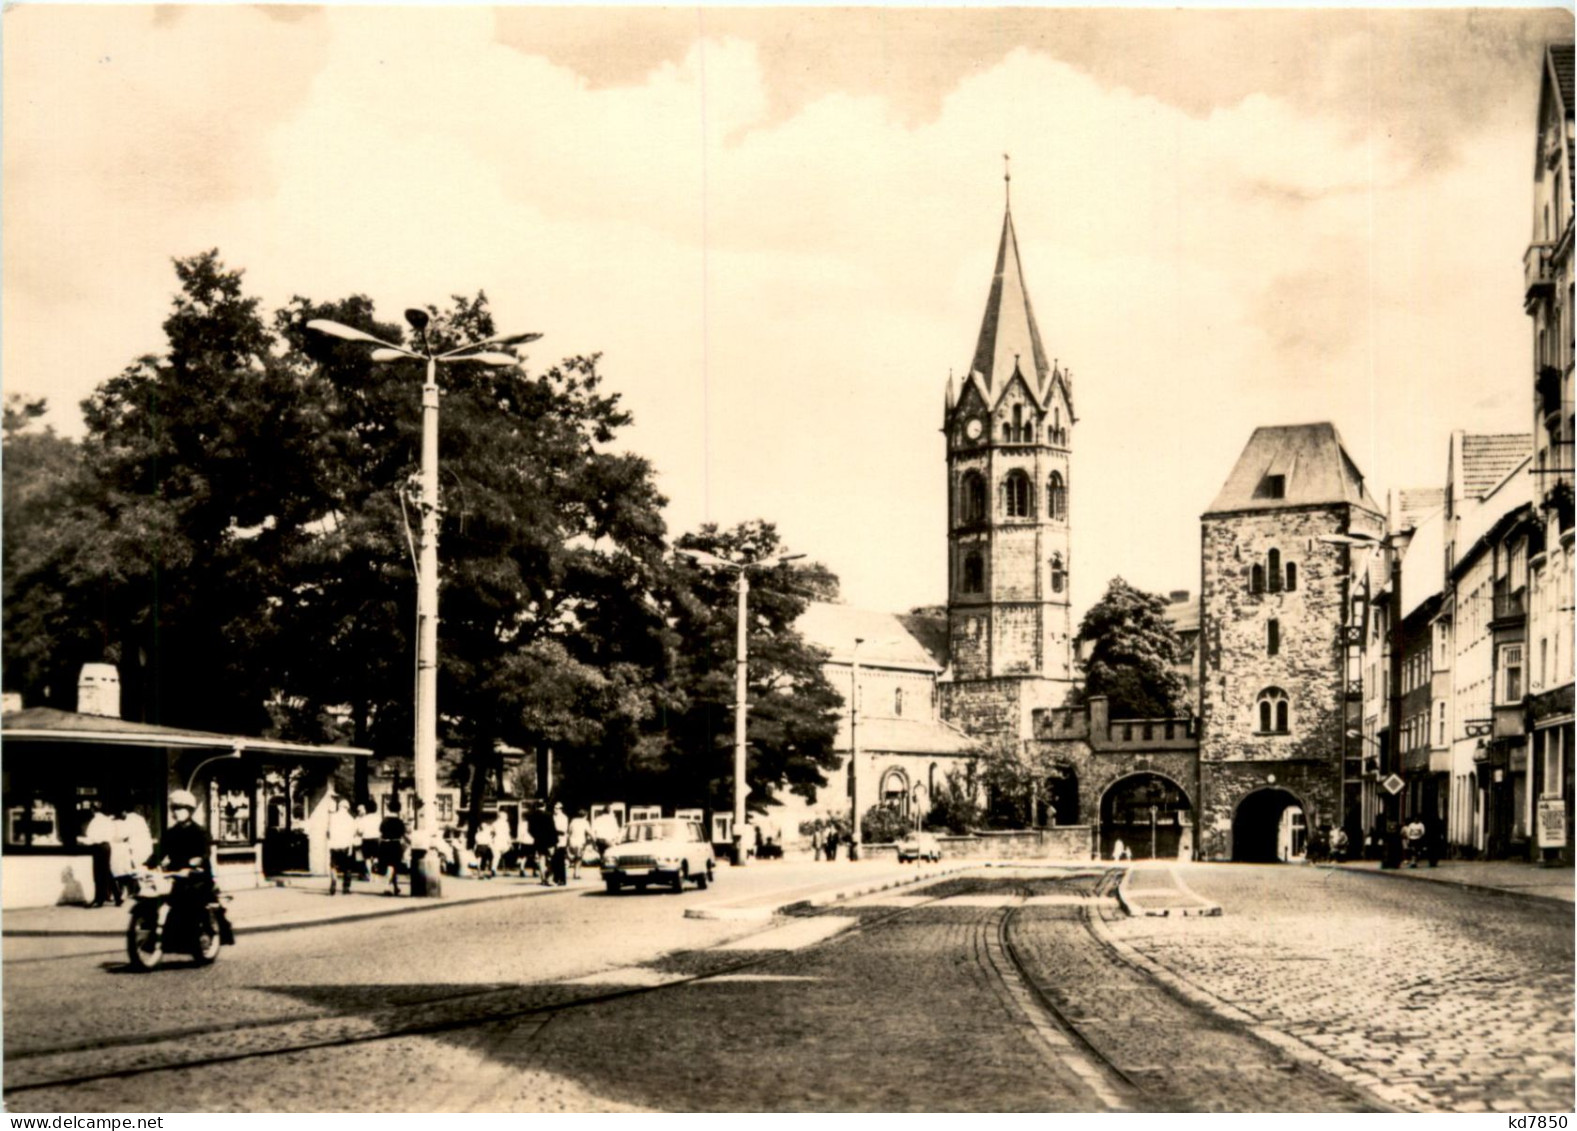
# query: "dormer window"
1273,487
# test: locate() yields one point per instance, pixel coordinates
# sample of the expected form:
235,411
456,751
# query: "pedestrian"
1413,834
605,831
579,835
131,843
391,846
829,843
368,839
1119,850
342,844
543,836
818,839
483,846
96,836
1339,844
560,844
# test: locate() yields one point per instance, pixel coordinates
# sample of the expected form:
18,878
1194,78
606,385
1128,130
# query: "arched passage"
1269,826
1057,798
1150,814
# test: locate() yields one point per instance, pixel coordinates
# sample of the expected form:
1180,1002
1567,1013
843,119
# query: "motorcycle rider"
186,845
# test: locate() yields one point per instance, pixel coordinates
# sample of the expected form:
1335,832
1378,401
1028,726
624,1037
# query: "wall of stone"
982,707
1236,663
1226,784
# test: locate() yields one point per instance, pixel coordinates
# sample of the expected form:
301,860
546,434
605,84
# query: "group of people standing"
825,837
362,844
120,842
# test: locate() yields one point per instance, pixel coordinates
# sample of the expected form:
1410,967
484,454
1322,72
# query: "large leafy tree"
241,541
792,716
1133,654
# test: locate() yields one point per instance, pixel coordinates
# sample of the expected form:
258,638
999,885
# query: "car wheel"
704,878
680,878
613,885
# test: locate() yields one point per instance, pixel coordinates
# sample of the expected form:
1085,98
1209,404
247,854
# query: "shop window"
234,813
33,821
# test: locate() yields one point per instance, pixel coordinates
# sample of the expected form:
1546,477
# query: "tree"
792,718
1133,654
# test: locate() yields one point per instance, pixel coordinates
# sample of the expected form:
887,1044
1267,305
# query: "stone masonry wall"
1236,666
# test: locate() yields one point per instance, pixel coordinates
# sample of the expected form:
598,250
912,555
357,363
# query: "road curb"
1383,1095
1460,885
409,905
790,906
1136,908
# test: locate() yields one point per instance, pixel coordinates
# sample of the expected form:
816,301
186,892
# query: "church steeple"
1009,338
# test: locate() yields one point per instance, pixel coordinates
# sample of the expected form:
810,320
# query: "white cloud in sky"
781,292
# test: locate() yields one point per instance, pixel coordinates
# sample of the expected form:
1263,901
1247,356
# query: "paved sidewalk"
1510,877
299,902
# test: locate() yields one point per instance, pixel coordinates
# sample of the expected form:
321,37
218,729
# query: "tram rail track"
195,1047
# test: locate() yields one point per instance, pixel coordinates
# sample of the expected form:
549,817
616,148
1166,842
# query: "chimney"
98,691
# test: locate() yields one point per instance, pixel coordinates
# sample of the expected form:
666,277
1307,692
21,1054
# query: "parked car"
919,846
669,851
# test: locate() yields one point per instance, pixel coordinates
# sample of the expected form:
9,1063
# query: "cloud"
779,229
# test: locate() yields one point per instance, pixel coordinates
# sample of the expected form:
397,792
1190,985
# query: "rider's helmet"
183,797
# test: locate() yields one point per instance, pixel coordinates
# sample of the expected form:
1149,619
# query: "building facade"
1276,563
1548,300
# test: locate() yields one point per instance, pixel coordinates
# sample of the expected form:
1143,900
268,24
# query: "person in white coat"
342,844
131,845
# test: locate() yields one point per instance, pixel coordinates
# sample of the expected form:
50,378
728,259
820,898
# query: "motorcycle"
160,924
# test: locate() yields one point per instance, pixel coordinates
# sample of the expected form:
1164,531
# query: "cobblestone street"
1441,999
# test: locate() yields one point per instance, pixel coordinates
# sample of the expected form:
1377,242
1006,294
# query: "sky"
778,227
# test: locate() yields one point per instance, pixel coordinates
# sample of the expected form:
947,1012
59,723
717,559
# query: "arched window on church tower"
1273,571
1256,583
974,573
1016,498
1056,498
898,701
972,498
1059,575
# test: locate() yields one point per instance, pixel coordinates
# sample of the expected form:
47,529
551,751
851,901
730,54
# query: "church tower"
1009,432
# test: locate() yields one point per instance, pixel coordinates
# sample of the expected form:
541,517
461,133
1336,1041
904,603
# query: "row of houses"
1465,663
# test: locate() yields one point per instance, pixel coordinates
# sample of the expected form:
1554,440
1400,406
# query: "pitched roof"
1009,338
1489,458
911,736
1415,504
887,640
1312,462
45,724
1561,64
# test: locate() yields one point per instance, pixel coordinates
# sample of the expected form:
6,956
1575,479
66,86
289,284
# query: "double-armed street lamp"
426,769
741,660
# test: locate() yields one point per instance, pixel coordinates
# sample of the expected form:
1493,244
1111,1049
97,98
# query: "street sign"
1394,785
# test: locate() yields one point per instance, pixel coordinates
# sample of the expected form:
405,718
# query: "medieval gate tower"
1009,434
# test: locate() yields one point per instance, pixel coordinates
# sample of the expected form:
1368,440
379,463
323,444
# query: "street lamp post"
426,769
741,669
1352,636
854,750
191,780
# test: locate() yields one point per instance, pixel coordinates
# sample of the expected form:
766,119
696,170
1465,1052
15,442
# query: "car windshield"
641,831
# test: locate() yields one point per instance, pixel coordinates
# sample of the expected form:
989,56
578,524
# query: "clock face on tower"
973,428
